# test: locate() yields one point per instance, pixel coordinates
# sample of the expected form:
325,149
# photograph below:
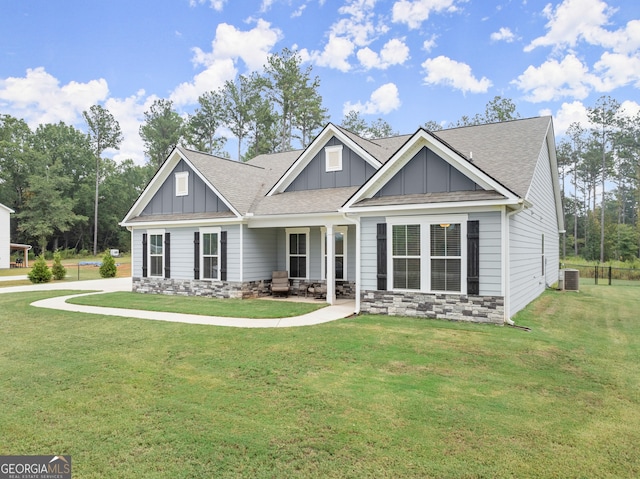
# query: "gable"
199,198
427,172
354,170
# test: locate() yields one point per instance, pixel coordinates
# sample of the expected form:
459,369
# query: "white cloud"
630,108
382,101
39,98
358,26
394,52
445,71
229,45
413,13
554,80
616,70
429,44
217,5
504,34
584,20
574,112
335,54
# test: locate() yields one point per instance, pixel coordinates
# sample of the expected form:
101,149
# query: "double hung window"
156,254
428,254
297,248
210,255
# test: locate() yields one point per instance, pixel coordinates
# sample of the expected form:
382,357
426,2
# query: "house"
5,230
459,224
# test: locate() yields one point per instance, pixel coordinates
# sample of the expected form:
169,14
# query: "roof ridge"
230,160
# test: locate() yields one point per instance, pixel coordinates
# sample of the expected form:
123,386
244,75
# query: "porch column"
331,265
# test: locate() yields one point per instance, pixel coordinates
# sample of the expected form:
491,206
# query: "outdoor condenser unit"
571,279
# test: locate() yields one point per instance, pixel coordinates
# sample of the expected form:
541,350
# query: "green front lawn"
369,396
228,308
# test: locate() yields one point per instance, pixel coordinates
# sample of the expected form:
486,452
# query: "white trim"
204,231
425,223
323,232
290,231
182,183
150,233
333,158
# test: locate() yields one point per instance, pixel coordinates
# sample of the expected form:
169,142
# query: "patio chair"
318,290
280,283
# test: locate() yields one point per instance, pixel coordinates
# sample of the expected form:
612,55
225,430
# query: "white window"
333,157
156,253
182,183
210,253
340,252
428,253
297,252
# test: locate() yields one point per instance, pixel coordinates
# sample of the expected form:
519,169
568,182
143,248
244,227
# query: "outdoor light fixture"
444,225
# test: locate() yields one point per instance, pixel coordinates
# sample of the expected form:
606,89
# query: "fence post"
609,275
595,269
78,271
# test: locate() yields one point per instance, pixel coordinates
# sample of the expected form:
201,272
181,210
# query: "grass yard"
228,308
370,396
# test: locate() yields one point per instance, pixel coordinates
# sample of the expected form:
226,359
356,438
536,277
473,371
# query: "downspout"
507,268
356,221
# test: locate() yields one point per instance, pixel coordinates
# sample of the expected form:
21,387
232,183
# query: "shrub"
40,273
108,267
59,271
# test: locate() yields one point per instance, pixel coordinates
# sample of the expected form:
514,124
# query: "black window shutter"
473,257
144,255
196,255
381,238
167,255
223,255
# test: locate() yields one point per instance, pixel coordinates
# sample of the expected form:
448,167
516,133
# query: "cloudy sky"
406,61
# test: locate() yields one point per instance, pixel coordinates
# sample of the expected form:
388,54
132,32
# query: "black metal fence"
602,274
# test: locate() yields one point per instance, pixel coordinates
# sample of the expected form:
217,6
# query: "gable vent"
333,156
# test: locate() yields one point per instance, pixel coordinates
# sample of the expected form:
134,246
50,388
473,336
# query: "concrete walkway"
342,309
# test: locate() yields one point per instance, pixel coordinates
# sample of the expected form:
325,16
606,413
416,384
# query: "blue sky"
406,61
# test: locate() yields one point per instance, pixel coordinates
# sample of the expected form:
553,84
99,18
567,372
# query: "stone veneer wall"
227,289
477,309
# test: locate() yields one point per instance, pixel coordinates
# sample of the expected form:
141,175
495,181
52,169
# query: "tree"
46,208
432,126
353,122
15,160
377,129
103,132
201,127
40,273
291,89
161,131
238,100
500,109
108,268
604,117
59,272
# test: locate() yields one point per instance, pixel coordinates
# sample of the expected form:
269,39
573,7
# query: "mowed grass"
369,396
228,308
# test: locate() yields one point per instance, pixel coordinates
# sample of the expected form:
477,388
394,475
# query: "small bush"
40,273
108,268
59,271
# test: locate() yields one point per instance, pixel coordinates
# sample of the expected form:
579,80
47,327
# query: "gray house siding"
490,252
368,253
260,253
355,171
527,280
199,200
426,172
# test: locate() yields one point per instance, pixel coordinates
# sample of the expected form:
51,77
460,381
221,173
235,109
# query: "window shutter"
223,255
473,257
381,238
196,255
167,255
144,255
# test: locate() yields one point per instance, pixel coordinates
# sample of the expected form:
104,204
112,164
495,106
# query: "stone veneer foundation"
227,289
477,309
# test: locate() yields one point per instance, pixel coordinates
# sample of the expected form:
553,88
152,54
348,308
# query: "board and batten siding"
355,171
527,280
182,249
369,253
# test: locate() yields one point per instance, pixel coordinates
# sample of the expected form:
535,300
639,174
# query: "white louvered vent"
333,156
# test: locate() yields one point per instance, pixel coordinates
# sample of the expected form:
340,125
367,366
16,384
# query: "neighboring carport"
24,261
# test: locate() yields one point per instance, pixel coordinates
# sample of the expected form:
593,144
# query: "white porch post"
331,265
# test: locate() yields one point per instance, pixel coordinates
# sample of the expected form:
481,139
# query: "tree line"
67,195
